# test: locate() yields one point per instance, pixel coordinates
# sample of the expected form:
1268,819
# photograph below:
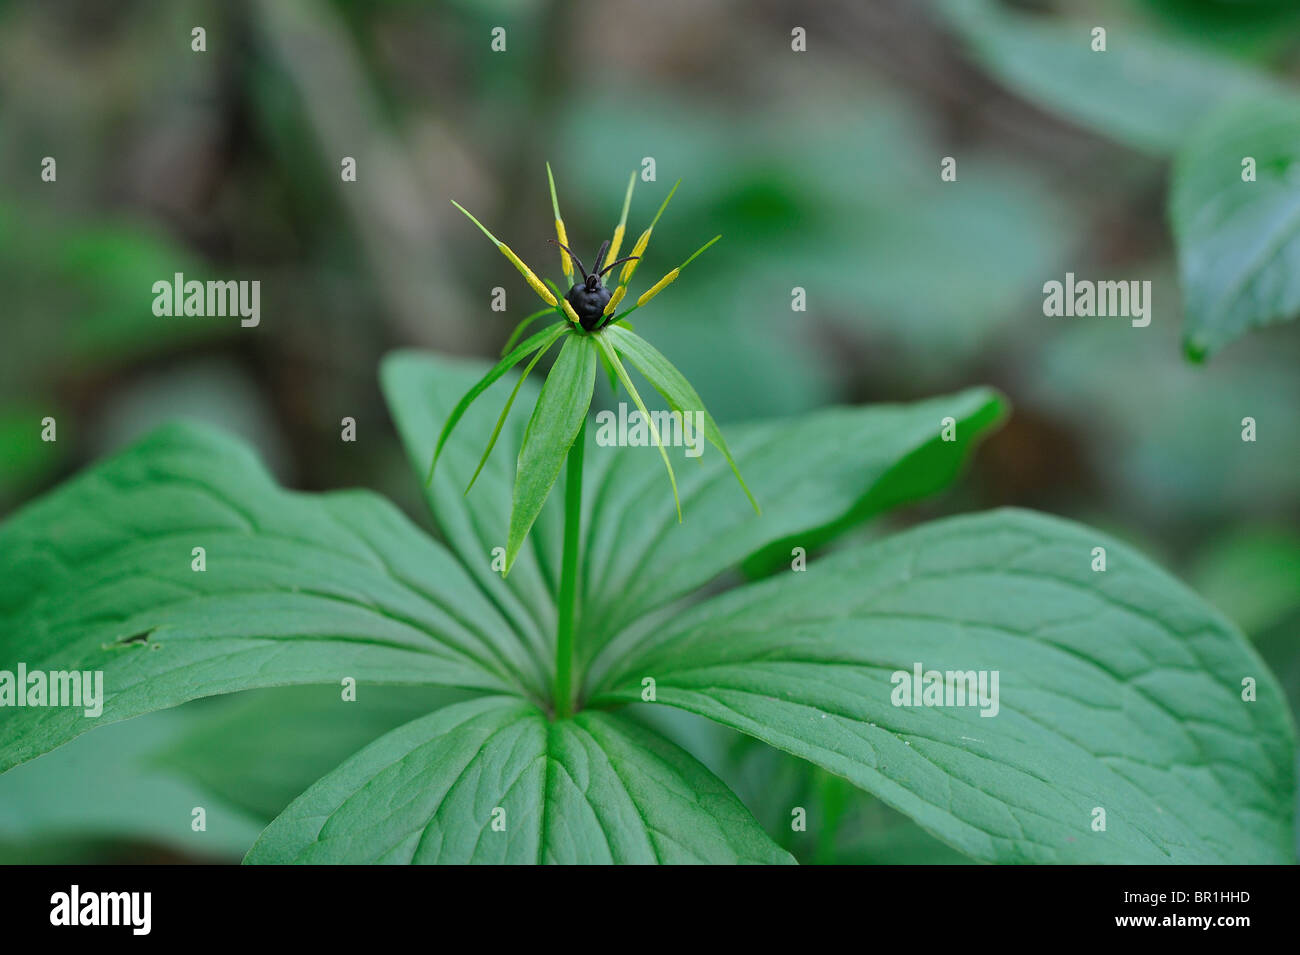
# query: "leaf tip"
1195,349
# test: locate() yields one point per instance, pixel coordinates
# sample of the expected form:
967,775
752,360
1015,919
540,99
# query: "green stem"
569,578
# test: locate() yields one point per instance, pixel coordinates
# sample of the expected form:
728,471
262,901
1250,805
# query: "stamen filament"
621,228
529,275
565,265
671,277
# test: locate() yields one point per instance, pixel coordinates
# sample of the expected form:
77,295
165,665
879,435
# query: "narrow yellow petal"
637,250
615,299
529,276
614,246
568,310
658,287
566,263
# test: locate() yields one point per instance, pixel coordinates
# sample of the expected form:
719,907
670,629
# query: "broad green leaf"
262,749
593,789
842,824
99,575
1238,242
675,389
505,412
1144,91
814,475
1119,690
557,417
422,389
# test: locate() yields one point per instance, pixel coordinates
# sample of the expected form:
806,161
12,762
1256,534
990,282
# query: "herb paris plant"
1120,690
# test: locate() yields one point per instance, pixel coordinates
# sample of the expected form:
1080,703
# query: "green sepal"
607,349
499,369
558,416
675,389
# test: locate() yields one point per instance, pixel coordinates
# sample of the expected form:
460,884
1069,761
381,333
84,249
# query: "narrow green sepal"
676,390
505,412
501,367
521,327
557,418
607,349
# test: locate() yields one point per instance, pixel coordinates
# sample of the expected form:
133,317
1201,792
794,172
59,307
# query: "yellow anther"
658,287
637,251
524,270
568,310
566,264
614,246
615,299
528,275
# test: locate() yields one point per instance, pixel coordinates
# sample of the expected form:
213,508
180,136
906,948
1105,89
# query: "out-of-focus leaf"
1239,241
27,458
105,787
267,746
1252,28
1145,91
1166,434
81,295
1253,576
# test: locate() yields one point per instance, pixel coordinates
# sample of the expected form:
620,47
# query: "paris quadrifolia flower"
591,327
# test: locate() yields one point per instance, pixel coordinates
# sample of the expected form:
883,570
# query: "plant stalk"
568,598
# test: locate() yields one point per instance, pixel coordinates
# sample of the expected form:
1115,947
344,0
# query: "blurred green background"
820,168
